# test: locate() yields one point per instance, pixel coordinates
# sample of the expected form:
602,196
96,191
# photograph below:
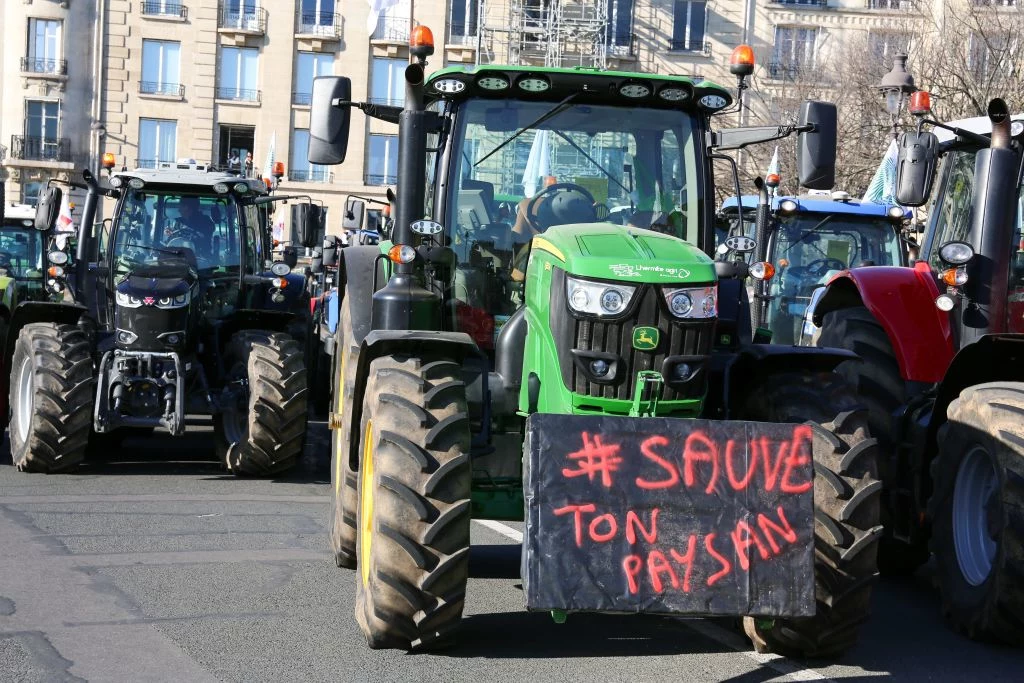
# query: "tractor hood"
156,283
607,251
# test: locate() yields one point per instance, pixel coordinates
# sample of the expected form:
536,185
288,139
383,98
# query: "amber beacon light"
741,62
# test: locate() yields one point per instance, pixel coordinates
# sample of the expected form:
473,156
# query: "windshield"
168,229
21,251
810,248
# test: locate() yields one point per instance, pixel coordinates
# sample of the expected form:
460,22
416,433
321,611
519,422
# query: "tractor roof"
978,124
201,178
818,204
555,84
18,213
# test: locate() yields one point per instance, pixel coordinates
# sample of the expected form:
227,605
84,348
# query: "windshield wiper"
810,232
543,117
591,160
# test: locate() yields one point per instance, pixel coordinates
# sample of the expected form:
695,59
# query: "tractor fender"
903,302
27,313
356,283
758,360
377,343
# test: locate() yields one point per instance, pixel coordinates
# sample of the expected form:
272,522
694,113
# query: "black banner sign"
664,515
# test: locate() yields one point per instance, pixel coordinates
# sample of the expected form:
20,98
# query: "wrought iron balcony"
168,89
703,48
239,95
246,20
378,179
146,163
810,3
32,148
890,4
392,28
785,72
303,99
322,24
155,8
311,175
57,67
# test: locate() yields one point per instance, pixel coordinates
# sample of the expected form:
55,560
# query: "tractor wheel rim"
26,399
976,483
366,504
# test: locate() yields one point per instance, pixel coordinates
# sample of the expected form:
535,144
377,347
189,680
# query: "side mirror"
329,252
291,257
48,208
328,124
309,234
816,150
353,218
915,167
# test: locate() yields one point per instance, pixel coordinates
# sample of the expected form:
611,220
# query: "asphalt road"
151,564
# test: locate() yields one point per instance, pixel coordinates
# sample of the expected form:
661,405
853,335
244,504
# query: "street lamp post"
895,87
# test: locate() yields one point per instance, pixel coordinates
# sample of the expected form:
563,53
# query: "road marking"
503,529
708,629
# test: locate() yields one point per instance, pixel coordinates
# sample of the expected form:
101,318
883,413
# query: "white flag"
882,188
773,166
377,7
268,167
538,164
64,217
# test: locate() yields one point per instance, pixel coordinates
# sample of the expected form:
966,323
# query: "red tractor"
942,371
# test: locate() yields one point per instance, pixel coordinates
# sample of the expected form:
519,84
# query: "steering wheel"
824,265
533,219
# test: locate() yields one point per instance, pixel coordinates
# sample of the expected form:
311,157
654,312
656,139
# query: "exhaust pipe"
999,115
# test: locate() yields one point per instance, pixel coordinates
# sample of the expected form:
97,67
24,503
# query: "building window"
158,141
30,192
992,52
44,47
161,68
42,130
394,23
301,169
244,15
382,160
316,16
688,22
884,45
794,51
239,73
387,81
308,66
462,22
620,23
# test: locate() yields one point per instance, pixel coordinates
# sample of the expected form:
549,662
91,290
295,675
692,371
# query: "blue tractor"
806,240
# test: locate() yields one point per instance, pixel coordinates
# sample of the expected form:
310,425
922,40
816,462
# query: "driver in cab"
193,229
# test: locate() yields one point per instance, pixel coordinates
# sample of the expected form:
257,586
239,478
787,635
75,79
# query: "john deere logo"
645,338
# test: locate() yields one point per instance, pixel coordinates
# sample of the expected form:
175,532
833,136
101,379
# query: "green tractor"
504,334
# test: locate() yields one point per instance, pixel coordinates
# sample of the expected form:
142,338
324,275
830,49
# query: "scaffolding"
559,33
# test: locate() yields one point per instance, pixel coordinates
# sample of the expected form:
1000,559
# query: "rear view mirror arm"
959,132
738,138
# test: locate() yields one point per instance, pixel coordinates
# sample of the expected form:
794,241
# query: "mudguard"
355,281
903,302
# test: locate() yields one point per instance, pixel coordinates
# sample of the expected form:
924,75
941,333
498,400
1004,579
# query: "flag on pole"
268,166
64,217
773,165
882,188
377,7
279,220
538,164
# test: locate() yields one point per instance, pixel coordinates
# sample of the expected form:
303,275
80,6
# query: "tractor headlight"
174,301
598,298
692,302
956,253
127,300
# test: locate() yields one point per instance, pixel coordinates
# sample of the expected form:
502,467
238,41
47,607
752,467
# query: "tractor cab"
21,255
810,238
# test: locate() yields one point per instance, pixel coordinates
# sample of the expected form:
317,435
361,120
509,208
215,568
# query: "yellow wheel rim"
339,408
366,504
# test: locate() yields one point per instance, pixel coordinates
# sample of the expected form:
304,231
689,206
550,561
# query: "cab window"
952,210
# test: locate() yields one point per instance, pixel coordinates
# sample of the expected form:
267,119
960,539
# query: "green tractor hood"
606,251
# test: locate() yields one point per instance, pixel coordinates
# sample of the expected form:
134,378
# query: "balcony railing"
238,95
622,46
148,163
303,99
323,24
392,28
32,65
168,89
32,148
812,3
890,4
388,101
698,47
311,175
152,8
994,3
785,72
247,20
376,179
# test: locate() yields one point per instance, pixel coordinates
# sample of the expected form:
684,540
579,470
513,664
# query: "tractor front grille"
580,339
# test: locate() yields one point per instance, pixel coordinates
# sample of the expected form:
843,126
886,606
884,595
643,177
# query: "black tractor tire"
51,398
879,385
268,437
343,478
984,434
846,511
414,512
